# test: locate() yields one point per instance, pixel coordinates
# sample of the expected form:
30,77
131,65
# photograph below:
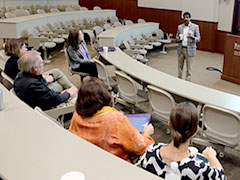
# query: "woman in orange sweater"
95,121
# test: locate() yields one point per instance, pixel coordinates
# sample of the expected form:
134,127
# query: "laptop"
139,120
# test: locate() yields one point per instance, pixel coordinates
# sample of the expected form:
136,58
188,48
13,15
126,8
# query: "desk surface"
172,84
35,148
13,27
115,36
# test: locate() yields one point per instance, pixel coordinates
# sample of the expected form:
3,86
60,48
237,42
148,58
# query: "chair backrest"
107,26
43,114
10,15
45,28
113,19
52,10
127,87
102,73
76,7
67,58
161,102
3,59
78,21
83,9
128,22
34,32
117,24
126,44
97,8
159,34
10,9
221,126
57,25
41,11
5,76
67,23
141,20
21,12
69,9
131,41
97,30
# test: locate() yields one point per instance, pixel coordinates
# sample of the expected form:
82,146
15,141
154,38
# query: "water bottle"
1,100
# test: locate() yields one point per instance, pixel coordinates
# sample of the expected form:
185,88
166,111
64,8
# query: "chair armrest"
58,111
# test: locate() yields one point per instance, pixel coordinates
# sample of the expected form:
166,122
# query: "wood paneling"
231,66
168,19
220,41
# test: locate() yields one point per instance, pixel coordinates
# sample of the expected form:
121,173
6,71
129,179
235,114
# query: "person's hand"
72,91
191,37
92,60
148,128
209,153
48,78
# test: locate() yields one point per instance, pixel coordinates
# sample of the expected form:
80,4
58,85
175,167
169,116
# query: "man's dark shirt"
33,90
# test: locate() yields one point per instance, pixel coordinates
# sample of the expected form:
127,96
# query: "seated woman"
95,121
56,79
78,53
166,160
13,48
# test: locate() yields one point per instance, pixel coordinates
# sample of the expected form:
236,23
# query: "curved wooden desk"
172,84
115,36
35,148
13,27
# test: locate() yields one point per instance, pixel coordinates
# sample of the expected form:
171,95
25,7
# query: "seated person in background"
32,88
13,48
78,53
95,121
166,159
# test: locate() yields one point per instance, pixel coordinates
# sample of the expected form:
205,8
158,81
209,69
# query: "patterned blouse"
188,168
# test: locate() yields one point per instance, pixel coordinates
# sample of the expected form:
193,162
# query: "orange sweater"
111,131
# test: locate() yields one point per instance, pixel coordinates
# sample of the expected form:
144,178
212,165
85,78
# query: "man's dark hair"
187,13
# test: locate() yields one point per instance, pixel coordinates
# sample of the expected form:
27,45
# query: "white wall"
220,11
225,15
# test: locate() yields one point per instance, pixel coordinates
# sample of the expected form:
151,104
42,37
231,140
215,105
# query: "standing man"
188,35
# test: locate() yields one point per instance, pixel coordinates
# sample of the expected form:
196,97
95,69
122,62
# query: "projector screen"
204,10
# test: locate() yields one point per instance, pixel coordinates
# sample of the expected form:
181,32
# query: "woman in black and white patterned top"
175,160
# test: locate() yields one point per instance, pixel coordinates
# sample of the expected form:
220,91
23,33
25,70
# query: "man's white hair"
29,60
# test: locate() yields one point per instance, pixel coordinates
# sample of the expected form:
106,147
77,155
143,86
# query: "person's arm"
131,139
197,34
47,98
178,32
75,57
210,154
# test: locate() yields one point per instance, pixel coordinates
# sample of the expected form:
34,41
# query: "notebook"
139,120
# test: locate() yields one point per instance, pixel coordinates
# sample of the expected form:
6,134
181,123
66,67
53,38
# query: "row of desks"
14,27
35,148
149,75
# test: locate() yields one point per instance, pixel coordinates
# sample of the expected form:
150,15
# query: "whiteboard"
204,10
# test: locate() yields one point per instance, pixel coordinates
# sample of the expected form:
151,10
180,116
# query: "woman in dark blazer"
78,53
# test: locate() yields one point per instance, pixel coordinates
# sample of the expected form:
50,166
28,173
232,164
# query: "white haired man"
31,87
